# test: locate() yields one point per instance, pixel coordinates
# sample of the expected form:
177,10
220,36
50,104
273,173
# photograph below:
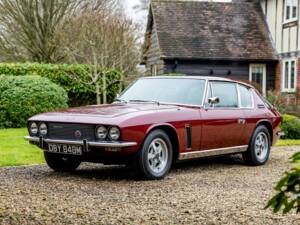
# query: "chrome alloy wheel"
261,146
157,155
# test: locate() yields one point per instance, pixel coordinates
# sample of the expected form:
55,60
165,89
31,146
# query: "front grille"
71,131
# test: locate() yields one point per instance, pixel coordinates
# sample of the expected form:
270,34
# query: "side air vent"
188,136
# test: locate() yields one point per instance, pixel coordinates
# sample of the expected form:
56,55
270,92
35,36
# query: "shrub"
291,127
62,74
287,197
23,97
276,99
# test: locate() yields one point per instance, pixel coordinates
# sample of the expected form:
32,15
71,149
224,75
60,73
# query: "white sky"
137,16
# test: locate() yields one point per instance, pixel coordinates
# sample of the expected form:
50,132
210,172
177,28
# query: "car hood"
112,114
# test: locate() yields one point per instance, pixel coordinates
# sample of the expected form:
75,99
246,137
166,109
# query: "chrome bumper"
87,143
280,134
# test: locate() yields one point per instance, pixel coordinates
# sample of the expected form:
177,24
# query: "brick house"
249,40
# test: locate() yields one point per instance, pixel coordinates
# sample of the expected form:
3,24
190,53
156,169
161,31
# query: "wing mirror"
213,100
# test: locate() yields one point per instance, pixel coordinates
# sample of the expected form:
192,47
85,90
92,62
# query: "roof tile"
212,30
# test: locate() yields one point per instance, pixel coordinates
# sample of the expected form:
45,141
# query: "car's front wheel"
61,163
259,148
155,156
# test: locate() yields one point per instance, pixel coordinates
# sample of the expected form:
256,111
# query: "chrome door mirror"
213,101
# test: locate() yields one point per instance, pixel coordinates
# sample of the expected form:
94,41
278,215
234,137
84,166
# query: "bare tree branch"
103,40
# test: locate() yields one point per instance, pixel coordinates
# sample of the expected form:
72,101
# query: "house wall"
154,64
286,39
286,36
232,69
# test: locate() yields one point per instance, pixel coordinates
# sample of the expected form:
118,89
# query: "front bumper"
40,141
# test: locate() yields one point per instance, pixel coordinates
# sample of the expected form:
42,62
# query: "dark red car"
158,121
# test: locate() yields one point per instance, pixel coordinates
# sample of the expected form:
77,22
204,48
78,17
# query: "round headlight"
101,132
43,129
114,133
33,128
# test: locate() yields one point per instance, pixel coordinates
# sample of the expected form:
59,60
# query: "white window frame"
289,89
291,12
264,84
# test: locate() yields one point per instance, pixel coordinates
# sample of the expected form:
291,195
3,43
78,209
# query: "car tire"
155,158
259,148
61,163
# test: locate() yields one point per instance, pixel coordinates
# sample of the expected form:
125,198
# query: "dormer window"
291,11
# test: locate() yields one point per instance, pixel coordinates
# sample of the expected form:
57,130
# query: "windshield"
169,90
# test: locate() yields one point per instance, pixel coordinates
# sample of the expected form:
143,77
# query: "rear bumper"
280,134
40,141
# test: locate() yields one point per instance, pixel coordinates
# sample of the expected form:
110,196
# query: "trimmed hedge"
25,96
61,74
291,127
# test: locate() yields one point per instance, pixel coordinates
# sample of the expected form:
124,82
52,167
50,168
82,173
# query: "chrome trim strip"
205,93
212,152
92,144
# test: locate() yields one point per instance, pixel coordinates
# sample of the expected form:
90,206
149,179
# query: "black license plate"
64,149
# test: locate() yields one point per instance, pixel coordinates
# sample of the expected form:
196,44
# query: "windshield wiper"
144,101
120,100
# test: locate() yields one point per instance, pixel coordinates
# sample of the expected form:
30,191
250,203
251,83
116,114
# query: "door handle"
241,121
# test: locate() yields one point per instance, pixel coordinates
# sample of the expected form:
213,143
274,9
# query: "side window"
227,93
246,97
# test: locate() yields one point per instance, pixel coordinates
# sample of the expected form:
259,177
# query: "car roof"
209,78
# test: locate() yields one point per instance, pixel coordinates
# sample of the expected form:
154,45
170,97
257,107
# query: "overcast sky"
136,15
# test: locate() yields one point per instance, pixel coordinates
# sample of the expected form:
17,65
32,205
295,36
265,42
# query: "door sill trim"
213,152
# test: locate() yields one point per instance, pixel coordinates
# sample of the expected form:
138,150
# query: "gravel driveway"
218,191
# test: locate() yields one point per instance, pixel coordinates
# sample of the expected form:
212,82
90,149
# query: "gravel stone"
210,191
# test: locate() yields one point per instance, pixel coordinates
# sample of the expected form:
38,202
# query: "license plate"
65,149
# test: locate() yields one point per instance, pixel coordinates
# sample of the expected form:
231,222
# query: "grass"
15,151
288,142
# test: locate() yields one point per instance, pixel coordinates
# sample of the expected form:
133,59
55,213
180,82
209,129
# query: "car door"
223,123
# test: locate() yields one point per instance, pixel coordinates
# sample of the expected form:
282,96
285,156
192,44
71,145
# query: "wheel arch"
268,125
171,132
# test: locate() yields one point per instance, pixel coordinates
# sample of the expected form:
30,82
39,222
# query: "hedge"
61,74
24,96
291,127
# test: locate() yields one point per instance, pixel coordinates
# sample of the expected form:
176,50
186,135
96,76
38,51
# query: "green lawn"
287,142
15,151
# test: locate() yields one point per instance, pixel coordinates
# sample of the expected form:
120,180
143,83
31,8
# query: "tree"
104,40
288,190
28,27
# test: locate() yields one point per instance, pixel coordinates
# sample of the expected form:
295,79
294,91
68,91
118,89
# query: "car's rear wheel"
61,163
155,156
259,149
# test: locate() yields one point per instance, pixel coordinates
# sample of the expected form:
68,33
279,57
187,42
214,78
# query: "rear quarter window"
245,96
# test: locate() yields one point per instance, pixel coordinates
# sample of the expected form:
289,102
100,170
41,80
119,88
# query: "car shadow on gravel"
117,173
100,172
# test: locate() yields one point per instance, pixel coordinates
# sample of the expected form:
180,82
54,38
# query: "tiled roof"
212,30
